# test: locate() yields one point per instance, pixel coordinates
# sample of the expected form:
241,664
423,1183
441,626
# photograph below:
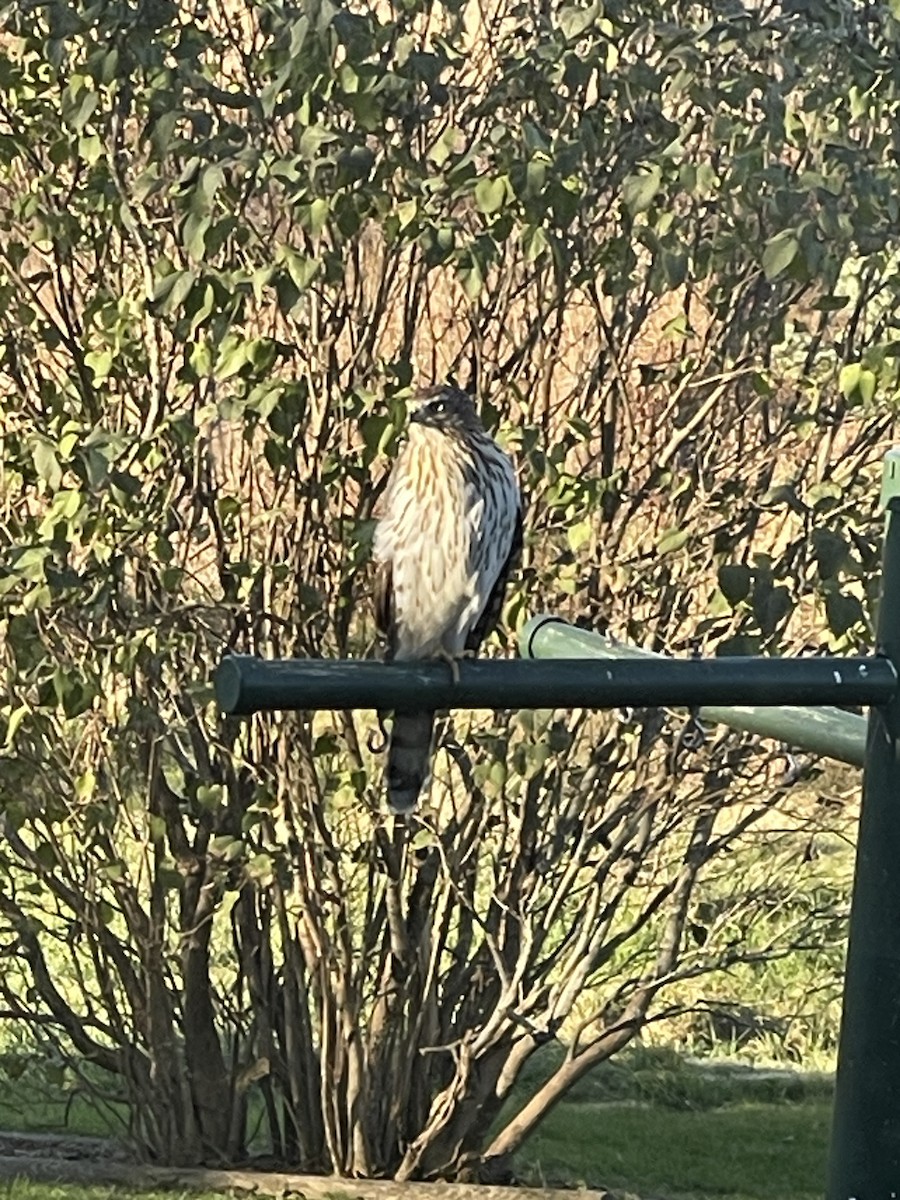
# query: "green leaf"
77,698
866,385
301,267
639,190
78,104
849,378
770,606
171,291
406,212
535,177
577,535
16,717
780,252
232,359
675,268
156,828
227,847
211,179
261,868
576,19
127,483
211,796
90,149
734,581
471,278
377,430
260,280
740,644
490,194
534,243
313,138
857,382
99,363
317,216
289,295
843,612
832,303
831,552
673,539
193,235
707,181
46,463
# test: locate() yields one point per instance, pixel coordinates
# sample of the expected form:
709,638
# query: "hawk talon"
452,662
372,744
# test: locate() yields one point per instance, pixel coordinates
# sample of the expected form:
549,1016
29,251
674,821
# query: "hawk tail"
408,759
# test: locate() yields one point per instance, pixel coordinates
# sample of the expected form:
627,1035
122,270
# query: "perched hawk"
450,533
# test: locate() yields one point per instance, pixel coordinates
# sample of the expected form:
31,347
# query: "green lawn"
650,1124
21,1189
744,1151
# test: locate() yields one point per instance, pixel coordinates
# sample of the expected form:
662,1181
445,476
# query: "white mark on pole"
864,671
837,677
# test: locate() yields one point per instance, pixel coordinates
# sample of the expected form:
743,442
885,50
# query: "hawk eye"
439,407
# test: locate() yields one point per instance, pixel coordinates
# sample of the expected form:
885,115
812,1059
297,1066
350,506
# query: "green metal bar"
865,1143
245,684
827,731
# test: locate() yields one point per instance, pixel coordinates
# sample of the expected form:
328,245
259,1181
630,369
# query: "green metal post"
865,1144
246,685
831,732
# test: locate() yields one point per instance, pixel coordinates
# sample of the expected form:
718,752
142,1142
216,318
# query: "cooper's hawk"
450,532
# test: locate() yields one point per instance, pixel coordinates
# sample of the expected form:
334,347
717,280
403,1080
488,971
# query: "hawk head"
448,409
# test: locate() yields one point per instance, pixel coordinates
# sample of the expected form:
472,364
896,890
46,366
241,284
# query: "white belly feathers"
442,548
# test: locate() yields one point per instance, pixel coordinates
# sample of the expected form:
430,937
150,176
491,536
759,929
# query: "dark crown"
448,408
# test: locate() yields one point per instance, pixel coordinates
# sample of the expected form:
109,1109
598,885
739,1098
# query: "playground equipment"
789,699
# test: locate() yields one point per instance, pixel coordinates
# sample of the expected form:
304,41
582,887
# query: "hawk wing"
384,604
490,614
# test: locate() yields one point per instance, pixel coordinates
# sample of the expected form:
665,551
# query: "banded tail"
408,759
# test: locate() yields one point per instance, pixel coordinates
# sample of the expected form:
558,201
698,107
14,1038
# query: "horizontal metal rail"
828,731
246,684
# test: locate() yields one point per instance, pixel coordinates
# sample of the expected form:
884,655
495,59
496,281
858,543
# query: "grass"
664,1077
649,1124
32,1114
745,1151
24,1189
655,1125
742,1150
37,1096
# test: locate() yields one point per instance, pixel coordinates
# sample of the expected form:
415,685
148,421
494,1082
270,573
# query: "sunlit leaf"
780,252
490,195
639,191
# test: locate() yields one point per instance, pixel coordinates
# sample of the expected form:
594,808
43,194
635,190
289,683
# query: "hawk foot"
373,745
452,663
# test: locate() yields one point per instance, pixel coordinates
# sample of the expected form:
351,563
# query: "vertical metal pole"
865,1141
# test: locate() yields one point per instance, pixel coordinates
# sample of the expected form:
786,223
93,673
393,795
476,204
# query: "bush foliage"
661,242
